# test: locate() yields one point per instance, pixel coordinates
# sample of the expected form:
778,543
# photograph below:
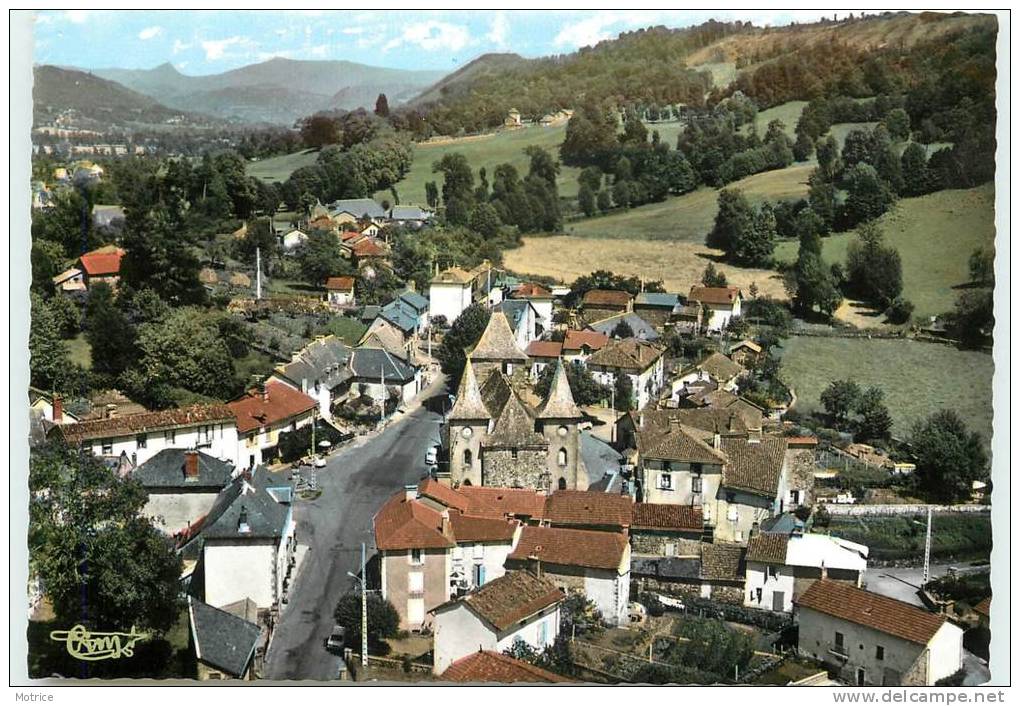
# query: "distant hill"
278,91
100,103
461,79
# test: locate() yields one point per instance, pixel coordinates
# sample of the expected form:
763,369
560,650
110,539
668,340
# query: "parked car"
337,639
431,456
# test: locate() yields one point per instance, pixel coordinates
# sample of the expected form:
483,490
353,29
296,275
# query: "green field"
484,151
690,217
935,235
80,351
917,378
279,168
789,113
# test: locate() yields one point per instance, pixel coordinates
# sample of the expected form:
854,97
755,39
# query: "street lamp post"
364,608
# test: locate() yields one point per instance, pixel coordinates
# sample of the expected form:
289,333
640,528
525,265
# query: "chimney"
536,568
825,572
641,421
265,392
111,411
410,492
716,440
58,409
191,464
445,526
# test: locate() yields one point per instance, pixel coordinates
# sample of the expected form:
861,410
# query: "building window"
170,436
513,454
417,557
696,468
562,485
142,440
107,445
839,642
879,653
561,457
467,458
665,481
771,572
696,484
204,435
478,574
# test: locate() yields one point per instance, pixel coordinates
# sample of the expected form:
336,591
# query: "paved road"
355,483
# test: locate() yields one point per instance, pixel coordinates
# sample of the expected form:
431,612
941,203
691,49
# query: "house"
319,370
542,354
224,645
688,318
211,428
518,606
417,303
45,411
594,564
486,666
495,438
656,307
579,345
591,510
715,367
705,570
540,298
410,216
665,530
366,252
182,485
872,640
599,303
781,566
263,413
453,290
70,281
246,543
523,319
366,209
340,292
383,335
746,353
102,265
640,360
720,304
434,543
409,314
639,328
293,239
738,482
738,422
513,118
383,377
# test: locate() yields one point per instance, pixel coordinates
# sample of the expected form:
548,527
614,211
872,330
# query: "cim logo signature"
95,646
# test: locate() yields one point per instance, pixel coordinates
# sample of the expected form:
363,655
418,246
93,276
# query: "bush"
899,311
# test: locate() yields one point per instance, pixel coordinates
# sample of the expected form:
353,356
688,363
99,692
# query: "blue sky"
215,41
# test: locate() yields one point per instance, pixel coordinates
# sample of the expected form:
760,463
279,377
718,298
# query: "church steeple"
559,404
468,404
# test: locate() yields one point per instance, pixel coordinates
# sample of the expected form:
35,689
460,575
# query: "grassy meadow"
280,168
935,235
918,378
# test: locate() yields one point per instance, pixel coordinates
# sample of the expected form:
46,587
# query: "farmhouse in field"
720,304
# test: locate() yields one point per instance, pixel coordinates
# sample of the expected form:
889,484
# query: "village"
678,502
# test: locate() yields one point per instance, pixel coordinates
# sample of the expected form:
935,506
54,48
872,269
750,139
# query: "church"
496,438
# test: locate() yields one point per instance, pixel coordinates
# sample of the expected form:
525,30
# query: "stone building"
495,438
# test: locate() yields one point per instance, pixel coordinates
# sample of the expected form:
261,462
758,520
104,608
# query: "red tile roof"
444,494
342,284
582,507
486,666
544,349
350,235
888,615
530,290
659,516
469,528
147,422
511,598
518,502
408,524
984,607
104,261
768,548
718,296
368,248
574,340
256,410
802,442
570,547
606,297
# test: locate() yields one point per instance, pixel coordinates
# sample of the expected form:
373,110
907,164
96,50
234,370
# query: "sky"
207,42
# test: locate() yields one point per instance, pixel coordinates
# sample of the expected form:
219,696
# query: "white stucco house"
515,607
320,370
540,298
262,414
641,360
211,428
455,289
719,305
340,292
873,640
780,566
293,239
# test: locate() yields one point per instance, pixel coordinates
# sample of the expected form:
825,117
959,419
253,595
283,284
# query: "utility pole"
382,401
927,550
258,273
364,611
612,404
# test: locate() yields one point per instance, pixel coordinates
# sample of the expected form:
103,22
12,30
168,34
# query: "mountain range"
277,91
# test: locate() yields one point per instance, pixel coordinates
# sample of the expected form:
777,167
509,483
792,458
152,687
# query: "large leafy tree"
158,258
585,389
840,398
102,563
462,337
48,354
734,219
319,257
949,456
874,271
383,619
108,331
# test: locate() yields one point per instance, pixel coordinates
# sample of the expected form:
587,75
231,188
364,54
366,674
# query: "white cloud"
352,30
180,46
150,33
216,49
77,16
432,35
499,31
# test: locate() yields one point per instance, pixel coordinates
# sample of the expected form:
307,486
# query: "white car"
319,462
431,456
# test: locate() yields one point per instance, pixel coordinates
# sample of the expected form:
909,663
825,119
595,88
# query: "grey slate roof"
374,364
166,470
416,300
498,342
222,640
641,328
664,300
400,314
515,310
358,208
251,502
324,361
409,213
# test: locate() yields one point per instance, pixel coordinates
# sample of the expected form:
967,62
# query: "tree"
621,194
711,277
68,221
583,387
734,219
319,258
914,168
157,258
868,196
808,228
840,399
622,330
822,200
258,242
462,337
754,247
382,106
899,311
624,388
485,220
813,286
982,266
102,561
604,200
48,354
874,423
803,147
108,331
590,137
383,619
66,315
590,177
897,122
318,131
586,200
874,271
973,318
828,157
949,456
431,194
458,187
